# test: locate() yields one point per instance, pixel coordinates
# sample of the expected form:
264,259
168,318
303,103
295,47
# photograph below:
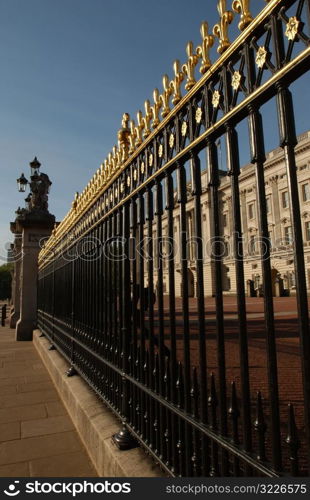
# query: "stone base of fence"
94,422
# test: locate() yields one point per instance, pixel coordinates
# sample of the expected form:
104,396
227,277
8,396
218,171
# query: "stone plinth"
16,277
35,227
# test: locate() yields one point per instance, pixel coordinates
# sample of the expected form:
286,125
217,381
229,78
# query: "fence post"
3,315
123,439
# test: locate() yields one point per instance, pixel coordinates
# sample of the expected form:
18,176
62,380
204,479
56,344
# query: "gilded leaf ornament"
243,7
236,79
220,30
189,67
216,98
176,82
203,50
198,115
292,28
184,128
261,56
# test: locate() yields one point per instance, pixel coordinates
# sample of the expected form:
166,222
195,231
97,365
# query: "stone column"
244,220
16,280
276,209
35,227
230,215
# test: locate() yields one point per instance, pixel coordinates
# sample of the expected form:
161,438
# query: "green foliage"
5,281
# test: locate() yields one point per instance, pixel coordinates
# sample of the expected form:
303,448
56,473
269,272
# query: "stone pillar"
35,227
276,209
244,216
16,280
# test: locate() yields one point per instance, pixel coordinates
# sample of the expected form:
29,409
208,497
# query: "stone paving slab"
37,436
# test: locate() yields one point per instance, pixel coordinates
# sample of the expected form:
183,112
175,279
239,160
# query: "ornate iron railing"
157,360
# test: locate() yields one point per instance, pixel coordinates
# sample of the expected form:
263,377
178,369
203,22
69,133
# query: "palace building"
279,223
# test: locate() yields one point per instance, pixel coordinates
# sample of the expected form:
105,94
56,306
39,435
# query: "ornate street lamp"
22,183
39,185
35,167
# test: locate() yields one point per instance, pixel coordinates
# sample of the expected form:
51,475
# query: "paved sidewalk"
37,436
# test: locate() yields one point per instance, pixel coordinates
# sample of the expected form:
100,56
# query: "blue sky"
70,68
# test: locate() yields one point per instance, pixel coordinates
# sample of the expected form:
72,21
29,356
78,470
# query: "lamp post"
34,223
39,185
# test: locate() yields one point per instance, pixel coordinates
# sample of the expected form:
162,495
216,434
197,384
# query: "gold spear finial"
110,165
132,137
243,7
117,157
106,174
139,128
189,67
155,108
176,82
75,201
203,50
165,96
147,118
123,138
220,30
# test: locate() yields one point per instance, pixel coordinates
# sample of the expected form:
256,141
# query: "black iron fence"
123,280
3,314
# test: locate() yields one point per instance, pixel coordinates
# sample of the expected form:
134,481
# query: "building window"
285,199
307,228
306,192
288,235
268,205
251,211
224,220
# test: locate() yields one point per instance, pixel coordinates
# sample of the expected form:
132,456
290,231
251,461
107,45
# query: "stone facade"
279,223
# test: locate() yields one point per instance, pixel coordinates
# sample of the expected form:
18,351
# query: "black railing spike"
212,401
292,440
167,378
260,427
146,366
130,358
156,372
137,363
195,393
234,412
180,385
195,413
